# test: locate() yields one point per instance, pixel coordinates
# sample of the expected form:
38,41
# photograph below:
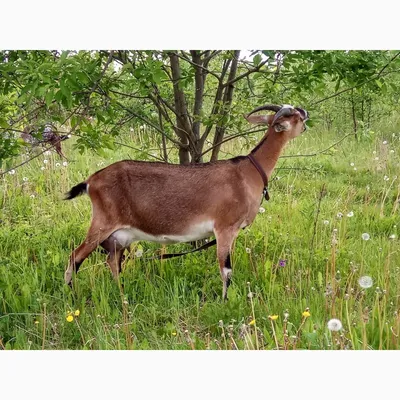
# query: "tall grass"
295,268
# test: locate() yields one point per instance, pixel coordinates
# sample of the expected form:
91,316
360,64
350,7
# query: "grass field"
297,267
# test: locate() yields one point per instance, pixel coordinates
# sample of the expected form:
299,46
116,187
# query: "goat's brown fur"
166,200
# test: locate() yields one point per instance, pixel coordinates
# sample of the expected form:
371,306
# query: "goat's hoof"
68,278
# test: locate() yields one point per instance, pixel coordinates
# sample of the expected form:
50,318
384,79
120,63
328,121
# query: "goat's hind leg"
94,237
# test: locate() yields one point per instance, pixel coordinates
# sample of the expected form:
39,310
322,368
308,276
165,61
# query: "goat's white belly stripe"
197,231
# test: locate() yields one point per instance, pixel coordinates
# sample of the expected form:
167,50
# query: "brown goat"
166,203
49,136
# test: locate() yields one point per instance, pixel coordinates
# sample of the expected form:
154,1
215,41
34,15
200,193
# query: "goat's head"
287,119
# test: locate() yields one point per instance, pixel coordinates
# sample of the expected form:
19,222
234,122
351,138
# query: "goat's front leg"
93,238
225,238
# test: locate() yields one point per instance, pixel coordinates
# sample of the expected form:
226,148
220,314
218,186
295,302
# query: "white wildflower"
355,169
131,129
261,210
384,142
350,214
365,282
334,325
376,158
139,253
248,251
47,153
365,236
392,151
325,222
42,168
374,152
339,215
58,164
392,236
12,172
65,164
385,178
352,164
32,196
45,161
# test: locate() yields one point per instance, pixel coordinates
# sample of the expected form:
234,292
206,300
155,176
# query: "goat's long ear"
260,119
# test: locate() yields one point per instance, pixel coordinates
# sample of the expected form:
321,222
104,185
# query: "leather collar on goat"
262,173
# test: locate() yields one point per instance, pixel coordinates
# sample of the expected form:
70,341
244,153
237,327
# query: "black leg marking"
228,266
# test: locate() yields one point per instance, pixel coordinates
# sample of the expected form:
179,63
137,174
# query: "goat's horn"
304,114
269,107
285,111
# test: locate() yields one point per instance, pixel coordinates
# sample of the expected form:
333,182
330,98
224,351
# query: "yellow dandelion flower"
273,317
36,322
252,322
173,333
70,318
77,313
306,314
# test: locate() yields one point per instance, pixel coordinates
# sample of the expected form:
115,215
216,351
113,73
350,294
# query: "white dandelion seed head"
334,325
47,153
335,230
374,152
131,129
58,164
261,210
350,214
139,253
385,178
325,222
365,282
355,169
385,142
392,151
42,168
392,236
12,172
25,179
45,161
248,251
365,236
351,164
376,158
339,215
32,196
65,164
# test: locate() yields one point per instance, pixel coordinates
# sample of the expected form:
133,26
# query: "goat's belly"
198,231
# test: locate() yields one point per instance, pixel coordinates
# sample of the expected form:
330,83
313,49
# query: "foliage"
194,100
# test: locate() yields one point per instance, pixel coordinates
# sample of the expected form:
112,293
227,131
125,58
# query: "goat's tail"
77,190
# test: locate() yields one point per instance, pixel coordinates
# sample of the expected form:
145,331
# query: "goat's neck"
268,151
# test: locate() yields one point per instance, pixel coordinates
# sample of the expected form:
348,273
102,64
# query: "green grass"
176,304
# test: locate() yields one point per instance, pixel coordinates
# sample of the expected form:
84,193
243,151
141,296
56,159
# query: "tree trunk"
226,105
183,129
353,113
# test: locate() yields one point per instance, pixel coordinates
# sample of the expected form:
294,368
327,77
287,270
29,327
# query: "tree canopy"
194,100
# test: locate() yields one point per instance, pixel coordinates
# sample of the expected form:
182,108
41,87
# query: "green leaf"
257,59
49,97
